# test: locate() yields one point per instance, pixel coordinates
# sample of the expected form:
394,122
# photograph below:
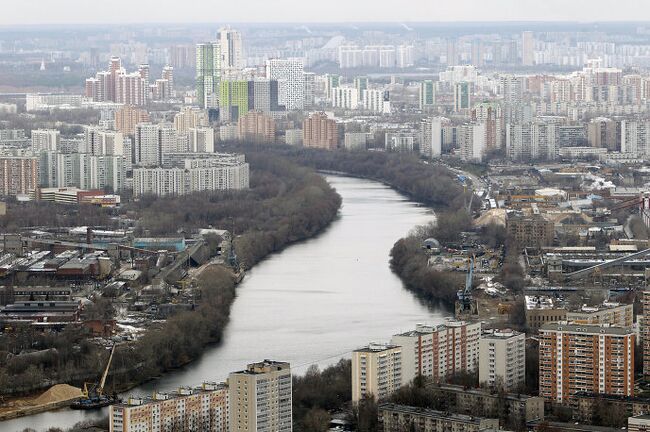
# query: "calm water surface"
310,304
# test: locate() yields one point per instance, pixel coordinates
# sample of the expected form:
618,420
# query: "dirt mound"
57,393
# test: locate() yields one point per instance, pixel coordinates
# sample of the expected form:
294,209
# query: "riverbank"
286,204
429,184
310,304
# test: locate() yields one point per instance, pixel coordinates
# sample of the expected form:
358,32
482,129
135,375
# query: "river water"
310,304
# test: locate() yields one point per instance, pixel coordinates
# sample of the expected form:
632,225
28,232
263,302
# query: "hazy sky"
17,12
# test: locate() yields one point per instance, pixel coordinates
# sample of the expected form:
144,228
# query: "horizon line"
396,22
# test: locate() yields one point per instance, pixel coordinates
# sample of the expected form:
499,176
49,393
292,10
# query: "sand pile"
58,393
492,216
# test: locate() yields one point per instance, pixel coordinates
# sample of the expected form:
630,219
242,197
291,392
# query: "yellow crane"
93,395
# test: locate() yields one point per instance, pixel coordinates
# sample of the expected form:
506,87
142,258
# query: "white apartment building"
45,139
376,100
44,101
431,136
98,141
204,408
232,53
376,371
217,174
152,141
260,398
159,181
635,137
502,359
205,174
82,170
291,81
345,97
201,140
532,141
439,352
527,48
399,141
472,141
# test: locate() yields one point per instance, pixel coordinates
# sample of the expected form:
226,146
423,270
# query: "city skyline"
286,11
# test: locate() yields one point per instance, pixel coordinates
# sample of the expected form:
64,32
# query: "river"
310,304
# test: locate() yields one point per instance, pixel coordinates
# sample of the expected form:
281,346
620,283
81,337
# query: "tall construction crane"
93,395
465,304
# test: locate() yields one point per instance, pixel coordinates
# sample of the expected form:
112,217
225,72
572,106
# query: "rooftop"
406,409
588,328
376,347
206,387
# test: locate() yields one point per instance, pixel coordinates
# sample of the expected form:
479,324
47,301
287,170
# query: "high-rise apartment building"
233,100
98,141
376,371
45,139
291,78
527,48
204,408
151,141
635,137
116,85
502,359
208,172
182,56
263,95
345,97
232,57
127,117
260,398
208,73
645,332
190,117
427,94
201,140
585,358
18,175
472,141
332,81
130,89
310,87
440,351
603,132
256,127
462,96
490,114
361,84
168,78
376,100
82,170
532,141
320,131
431,136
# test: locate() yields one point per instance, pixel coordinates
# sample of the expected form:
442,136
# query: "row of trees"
429,184
285,204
